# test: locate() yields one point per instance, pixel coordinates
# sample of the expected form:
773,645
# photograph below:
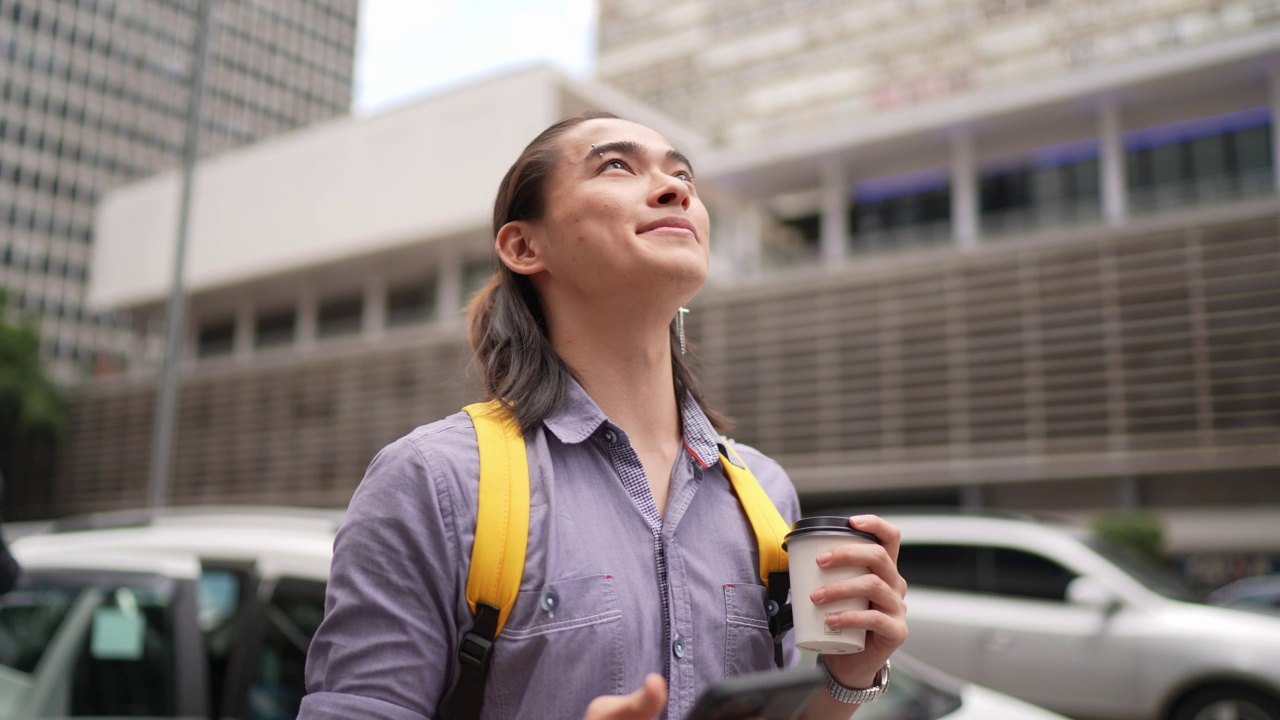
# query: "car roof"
278,541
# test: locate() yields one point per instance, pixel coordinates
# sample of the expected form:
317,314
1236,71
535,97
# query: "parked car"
208,613
1259,594
1056,616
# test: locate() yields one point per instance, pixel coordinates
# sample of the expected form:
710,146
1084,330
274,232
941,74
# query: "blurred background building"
93,95
1016,255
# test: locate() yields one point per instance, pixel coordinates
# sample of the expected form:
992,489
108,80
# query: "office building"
94,94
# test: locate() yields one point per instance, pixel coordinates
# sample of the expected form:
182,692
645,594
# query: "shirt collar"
579,418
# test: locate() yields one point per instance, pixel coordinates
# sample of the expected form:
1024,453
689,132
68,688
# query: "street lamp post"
167,391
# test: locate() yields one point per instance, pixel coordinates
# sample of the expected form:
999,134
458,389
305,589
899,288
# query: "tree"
33,420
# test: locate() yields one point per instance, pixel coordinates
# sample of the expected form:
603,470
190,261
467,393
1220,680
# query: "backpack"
502,536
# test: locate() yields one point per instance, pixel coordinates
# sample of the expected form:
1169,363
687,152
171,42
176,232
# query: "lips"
674,225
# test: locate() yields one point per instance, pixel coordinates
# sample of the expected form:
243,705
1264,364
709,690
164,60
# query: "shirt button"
549,601
610,437
679,647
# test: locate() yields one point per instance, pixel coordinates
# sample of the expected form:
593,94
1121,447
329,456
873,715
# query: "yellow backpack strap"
497,557
502,521
770,530
766,521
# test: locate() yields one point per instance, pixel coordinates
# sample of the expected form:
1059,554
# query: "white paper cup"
807,538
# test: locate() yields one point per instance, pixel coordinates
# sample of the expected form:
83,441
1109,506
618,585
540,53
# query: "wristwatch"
855,696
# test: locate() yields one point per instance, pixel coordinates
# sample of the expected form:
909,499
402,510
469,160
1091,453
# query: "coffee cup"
808,538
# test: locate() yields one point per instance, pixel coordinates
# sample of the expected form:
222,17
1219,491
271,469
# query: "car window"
1022,574
89,644
974,568
948,567
292,616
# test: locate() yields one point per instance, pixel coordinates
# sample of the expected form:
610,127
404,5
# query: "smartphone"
769,695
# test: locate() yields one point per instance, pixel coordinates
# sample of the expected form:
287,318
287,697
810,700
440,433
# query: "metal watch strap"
855,696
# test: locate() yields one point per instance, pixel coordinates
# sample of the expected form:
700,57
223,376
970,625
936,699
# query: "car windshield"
64,634
1153,576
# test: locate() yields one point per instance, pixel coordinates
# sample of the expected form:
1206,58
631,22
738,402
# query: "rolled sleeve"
382,650
339,706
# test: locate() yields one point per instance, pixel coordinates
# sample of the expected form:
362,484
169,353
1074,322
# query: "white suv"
1059,618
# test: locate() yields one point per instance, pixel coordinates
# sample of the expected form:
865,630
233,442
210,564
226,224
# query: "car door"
109,634
291,610
1035,644
945,612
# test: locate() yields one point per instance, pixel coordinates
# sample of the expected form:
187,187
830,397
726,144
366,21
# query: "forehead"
580,138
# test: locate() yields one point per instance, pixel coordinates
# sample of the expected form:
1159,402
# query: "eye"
684,175
614,164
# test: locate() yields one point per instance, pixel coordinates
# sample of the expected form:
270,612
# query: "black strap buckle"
781,618
475,651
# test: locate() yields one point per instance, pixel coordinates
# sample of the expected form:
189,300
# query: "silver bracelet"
856,696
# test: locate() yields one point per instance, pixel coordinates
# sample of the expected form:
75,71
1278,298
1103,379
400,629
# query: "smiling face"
621,220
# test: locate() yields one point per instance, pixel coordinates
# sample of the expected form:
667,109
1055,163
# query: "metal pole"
167,392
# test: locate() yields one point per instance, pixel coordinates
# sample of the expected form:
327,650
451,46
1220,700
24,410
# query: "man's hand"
643,704
886,618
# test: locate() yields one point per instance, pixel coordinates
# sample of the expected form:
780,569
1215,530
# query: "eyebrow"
632,148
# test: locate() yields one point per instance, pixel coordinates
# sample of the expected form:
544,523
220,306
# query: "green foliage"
1136,530
31,407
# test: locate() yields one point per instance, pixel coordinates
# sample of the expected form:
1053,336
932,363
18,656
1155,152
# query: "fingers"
879,593
887,532
890,629
875,558
643,704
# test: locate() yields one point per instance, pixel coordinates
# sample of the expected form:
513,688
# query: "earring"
680,328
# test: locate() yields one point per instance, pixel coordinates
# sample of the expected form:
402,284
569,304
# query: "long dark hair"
507,327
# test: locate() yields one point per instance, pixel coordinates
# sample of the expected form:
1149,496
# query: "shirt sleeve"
382,650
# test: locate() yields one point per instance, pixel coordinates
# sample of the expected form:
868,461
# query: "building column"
304,331
1275,125
373,312
1114,184
748,233
835,214
449,288
242,345
964,191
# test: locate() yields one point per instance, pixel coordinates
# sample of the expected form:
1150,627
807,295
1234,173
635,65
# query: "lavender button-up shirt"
630,592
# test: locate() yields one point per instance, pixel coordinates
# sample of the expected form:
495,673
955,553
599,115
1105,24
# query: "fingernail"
818,595
859,519
824,557
832,618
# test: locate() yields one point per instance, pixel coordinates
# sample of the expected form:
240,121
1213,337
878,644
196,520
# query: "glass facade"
1202,161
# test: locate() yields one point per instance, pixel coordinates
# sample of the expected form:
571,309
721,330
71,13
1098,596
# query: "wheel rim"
1232,710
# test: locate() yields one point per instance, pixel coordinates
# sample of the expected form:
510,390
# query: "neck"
626,369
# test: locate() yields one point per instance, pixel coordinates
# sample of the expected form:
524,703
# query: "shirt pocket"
570,626
748,643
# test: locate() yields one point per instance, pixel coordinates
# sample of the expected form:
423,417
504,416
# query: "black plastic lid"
826,525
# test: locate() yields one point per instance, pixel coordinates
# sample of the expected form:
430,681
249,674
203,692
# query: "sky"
408,49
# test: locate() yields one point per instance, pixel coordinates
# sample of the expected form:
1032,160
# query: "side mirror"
1088,592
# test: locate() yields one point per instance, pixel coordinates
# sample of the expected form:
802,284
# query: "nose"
670,191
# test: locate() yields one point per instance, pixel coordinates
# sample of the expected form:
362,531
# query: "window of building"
1206,160
1049,187
475,273
340,316
411,303
275,328
904,210
216,338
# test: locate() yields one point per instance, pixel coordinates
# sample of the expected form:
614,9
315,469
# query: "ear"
518,248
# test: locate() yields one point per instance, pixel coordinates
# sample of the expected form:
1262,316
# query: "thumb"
645,703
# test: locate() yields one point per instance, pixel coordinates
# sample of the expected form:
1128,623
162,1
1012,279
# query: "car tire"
1227,703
